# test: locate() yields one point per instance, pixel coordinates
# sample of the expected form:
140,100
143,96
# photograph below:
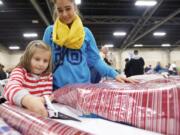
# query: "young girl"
74,48
31,79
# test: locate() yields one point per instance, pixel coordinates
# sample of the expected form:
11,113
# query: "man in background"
135,65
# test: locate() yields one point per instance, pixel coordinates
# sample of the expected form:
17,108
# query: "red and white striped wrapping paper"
29,123
152,105
5,129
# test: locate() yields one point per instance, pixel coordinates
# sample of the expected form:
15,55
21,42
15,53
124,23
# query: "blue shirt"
72,65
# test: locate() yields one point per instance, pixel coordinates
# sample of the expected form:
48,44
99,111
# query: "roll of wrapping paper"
153,104
29,123
5,129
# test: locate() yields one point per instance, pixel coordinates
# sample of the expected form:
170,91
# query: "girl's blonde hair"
25,59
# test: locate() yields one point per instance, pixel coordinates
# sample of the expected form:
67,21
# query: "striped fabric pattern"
152,105
21,80
29,123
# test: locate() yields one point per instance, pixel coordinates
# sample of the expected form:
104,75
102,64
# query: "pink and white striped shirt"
22,83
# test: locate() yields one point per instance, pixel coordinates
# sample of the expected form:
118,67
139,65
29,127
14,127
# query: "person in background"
31,79
149,70
158,68
104,55
135,65
173,69
74,48
2,72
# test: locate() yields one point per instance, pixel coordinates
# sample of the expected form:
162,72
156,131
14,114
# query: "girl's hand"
122,79
34,104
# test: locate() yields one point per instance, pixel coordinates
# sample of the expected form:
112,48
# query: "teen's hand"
122,79
34,104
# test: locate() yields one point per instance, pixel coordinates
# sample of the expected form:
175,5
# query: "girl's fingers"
44,113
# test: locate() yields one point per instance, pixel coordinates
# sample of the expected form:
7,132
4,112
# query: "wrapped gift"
152,104
29,123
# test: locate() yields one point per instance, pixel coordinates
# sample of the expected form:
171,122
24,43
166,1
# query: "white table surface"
99,126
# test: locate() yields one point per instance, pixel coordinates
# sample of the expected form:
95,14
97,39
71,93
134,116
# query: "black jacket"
134,67
2,75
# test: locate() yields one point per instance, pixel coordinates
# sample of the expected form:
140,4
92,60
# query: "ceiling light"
145,2
35,21
78,2
120,34
165,45
14,47
1,3
30,35
108,45
159,34
138,45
